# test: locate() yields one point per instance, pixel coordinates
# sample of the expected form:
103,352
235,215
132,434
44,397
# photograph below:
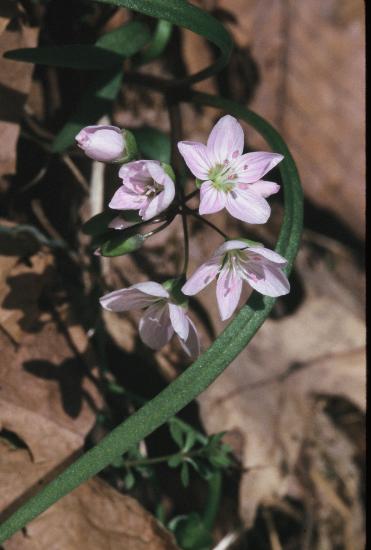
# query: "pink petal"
263,188
228,292
202,277
211,200
152,288
192,344
247,206
251,167
196,158
160,202
273,283
268,254
126,299
226,139
179,320
124,199
233,244
155,328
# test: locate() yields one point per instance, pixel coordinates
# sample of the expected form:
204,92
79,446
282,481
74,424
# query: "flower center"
152,188
223,176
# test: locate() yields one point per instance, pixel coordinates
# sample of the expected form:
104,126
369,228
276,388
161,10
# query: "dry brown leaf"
92,517
311,62
15,83
7,12
267,393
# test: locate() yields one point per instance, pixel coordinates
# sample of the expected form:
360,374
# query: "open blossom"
162,317
102,143
146,187
234,262
231,180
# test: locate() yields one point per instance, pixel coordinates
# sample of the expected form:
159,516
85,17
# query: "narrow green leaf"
109,50
184,474
177,434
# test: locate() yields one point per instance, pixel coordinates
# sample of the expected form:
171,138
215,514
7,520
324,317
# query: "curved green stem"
213,499
196,378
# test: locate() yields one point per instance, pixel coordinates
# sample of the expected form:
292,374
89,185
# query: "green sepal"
121,244
131,147
168,170
173,286
198,183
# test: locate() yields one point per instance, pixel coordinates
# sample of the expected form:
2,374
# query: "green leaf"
184,14
174,461
121,244
191,533
153,143
196,378
158,43
190,441
177,434
184,474
109,50
129,480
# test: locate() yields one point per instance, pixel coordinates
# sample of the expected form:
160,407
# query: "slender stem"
176,132
207,222
158,229
191,195
213,500
158,459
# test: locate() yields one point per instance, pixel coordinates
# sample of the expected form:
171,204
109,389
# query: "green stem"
205,221
196,378
213,499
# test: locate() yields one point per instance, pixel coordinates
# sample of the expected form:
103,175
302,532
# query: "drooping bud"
103,143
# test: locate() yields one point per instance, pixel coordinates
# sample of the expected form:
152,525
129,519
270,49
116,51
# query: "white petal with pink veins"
226,140
202,277
228,292
211,200
155,328
247,206
196,157
179,320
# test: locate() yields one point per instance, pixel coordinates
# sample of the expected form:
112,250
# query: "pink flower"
161,319
145,187
234,262
103,143
231,180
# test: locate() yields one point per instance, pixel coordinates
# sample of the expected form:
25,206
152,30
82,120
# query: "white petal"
228,292
202,277
179,320
155,328
196,157
126,299
192,344
251,167
226,139
273,282
269,255
211,200
247,206
152,288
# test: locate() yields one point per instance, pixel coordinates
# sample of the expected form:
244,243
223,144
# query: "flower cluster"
227,178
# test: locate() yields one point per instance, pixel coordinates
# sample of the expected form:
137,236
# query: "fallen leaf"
7,12
94,516
15,83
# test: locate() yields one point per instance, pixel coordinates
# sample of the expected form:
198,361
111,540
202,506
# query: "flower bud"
102,143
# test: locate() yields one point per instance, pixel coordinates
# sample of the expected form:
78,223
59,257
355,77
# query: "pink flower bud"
103,143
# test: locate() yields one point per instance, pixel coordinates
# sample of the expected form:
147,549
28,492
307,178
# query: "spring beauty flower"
102,143
162,318
231,180
146,187
233,263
